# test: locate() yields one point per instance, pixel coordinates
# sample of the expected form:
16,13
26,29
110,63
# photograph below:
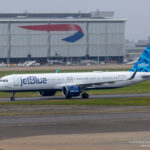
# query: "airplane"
75,84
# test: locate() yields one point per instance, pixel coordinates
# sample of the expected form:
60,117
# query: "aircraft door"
16,81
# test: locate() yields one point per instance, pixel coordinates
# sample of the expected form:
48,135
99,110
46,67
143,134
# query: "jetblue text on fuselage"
33,80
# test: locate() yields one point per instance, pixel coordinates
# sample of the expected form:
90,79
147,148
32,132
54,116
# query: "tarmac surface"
76,131
34,125
72,67
62,97
93,141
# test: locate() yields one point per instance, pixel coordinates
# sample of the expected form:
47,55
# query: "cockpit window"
3,80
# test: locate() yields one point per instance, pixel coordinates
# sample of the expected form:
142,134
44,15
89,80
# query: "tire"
85,95
12,98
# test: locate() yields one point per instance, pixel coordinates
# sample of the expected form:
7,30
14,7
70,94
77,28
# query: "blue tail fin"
57,71
143,64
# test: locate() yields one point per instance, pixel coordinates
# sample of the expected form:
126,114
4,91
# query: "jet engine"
71,91
47,92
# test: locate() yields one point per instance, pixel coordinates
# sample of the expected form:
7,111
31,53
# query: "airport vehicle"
74,84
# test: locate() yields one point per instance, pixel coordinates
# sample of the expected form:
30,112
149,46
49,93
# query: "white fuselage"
36,82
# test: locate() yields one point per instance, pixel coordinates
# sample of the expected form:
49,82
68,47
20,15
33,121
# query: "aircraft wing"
82,85
88,84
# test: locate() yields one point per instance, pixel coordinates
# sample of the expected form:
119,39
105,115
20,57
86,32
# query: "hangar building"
48,36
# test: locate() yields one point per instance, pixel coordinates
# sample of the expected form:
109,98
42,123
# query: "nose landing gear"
13,96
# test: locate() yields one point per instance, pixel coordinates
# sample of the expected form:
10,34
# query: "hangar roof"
62,20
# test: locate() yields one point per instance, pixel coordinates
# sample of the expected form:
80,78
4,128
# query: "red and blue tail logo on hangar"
59,27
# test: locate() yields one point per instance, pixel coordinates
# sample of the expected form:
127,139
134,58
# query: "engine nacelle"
70,91
47,92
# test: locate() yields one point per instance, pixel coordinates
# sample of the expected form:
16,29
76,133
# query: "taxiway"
33,125
62,97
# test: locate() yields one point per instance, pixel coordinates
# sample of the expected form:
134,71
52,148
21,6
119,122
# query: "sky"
137,12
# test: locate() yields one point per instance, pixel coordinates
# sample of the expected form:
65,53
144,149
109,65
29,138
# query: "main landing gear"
13,96
85,95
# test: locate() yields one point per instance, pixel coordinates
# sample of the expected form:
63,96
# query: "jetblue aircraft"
74,84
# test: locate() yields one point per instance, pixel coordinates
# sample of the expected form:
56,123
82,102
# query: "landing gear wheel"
12,98
85,95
